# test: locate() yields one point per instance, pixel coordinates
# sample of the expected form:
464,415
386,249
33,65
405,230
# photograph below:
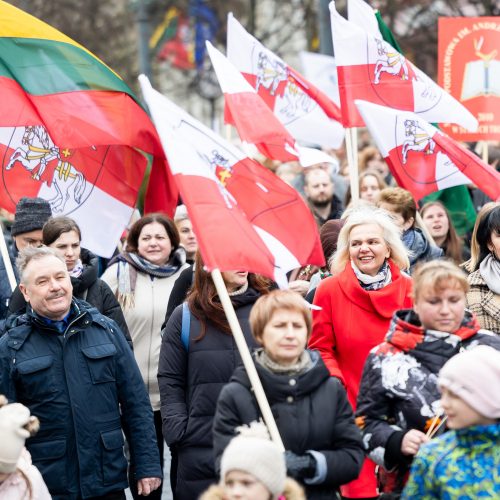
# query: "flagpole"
246,357
351,142
6,260
484,151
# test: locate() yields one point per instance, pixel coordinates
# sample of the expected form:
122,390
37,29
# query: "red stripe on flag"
356,82
252,119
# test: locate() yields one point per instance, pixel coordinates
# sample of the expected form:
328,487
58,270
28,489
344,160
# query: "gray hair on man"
33,254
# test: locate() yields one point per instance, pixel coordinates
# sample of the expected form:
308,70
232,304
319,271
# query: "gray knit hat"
31,214
253,452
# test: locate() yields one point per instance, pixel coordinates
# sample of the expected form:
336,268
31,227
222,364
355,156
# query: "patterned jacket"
460,464
399,386
484,303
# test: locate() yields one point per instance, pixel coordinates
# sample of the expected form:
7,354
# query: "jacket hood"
89,274
277,386
406,333
419,247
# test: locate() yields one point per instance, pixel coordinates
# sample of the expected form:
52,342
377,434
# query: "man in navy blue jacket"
73,369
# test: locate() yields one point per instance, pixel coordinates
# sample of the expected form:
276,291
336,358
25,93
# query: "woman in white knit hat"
465,462
253,468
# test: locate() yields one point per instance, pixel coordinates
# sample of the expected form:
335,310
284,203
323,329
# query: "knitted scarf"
489,269
129,264
367,282
303,364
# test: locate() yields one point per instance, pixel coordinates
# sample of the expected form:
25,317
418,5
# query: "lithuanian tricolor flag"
71,131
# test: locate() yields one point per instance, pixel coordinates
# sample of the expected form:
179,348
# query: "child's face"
459,413
240,485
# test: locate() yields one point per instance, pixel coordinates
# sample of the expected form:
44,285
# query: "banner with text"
469,69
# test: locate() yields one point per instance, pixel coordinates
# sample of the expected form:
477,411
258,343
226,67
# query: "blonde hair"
268,304
401,200
437,275
390,232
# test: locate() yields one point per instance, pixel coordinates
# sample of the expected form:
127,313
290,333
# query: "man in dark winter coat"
31,215
73,369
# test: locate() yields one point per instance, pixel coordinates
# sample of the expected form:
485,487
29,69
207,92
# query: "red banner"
469,69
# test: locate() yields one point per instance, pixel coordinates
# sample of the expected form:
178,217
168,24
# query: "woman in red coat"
357,304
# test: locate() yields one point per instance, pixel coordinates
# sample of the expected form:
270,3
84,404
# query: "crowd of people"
381,369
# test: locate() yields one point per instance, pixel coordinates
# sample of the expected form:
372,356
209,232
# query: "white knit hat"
474,376
13,418
253,452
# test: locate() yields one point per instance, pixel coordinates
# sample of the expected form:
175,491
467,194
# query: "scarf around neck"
302,365
381,279
489,269
129,264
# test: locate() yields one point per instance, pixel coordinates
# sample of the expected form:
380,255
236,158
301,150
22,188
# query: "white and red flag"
255,122
244,216
370,69
423,159
306,112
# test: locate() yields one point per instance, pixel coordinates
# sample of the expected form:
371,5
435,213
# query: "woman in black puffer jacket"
193,368
63,234
312,413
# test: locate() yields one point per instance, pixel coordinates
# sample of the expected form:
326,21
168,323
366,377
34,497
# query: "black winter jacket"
399,391
85,387
311,412
87,287
190,383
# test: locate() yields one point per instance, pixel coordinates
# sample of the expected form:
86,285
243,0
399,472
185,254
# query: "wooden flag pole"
7,263
484,151
246,357
351,143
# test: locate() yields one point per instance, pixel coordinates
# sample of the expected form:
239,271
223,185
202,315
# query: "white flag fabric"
423,159
244,216
372,70
306,112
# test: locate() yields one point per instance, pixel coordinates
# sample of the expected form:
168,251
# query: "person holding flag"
197,358
323,445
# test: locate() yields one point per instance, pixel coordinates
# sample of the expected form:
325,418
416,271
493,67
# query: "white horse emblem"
392,63
419,140
270,73
35,154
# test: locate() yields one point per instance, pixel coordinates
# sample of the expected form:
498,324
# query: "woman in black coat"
64,235
197,358
315,420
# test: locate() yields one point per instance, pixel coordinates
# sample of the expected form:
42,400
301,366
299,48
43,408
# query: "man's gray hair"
34,253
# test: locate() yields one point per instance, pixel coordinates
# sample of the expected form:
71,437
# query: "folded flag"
372,70
306,112
244,216
255,122
71,131
422,159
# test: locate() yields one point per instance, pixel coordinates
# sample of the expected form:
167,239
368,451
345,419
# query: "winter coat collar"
89,275
479,434
23,324
383,301
278,387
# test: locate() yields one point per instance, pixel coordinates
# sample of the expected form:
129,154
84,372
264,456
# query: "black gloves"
300,466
